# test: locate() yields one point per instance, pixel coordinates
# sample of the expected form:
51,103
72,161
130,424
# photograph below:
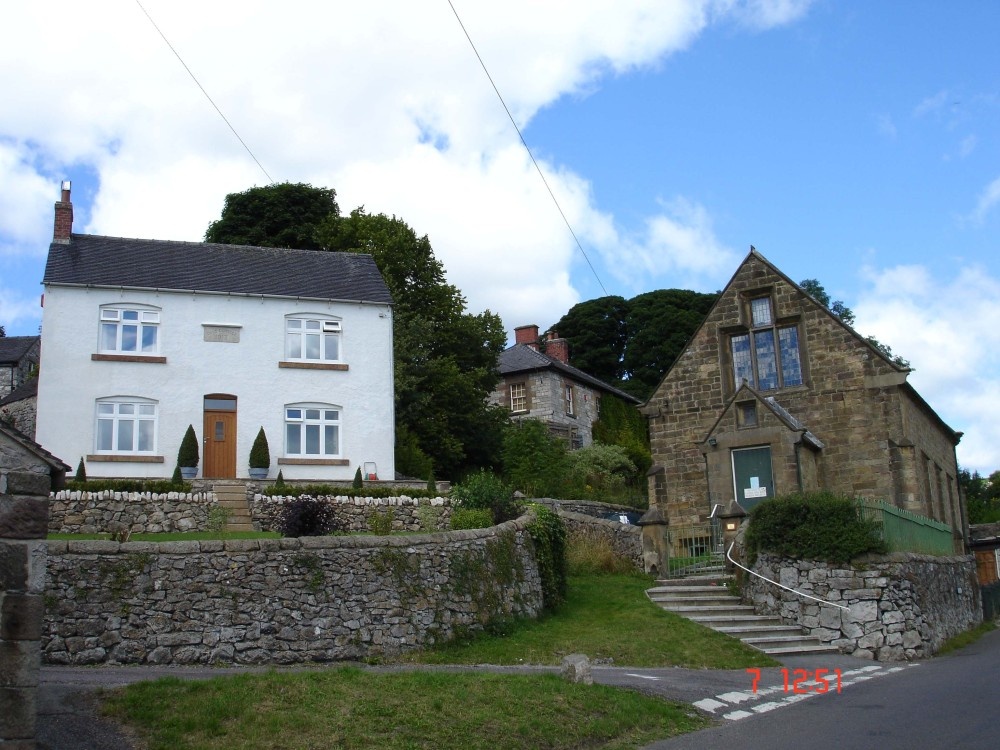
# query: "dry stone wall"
623,538
264,601
899,606
355,514
76,512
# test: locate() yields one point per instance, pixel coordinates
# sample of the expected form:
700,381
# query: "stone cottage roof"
783,414
522,358
27,389
30,446
92,260
14,348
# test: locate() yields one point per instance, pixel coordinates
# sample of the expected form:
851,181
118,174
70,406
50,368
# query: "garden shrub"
381,522
187,453
812,526
330,490
81,473
548,532
358,482
471,518
306,517
260,453
588,551
485,490
600,471
534,460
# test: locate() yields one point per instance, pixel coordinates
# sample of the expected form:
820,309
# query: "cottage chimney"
527,335
557,348
64,216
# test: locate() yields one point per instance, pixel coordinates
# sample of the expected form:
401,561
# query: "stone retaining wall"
625,539
586,507
899,606
75,512
311,599
355,514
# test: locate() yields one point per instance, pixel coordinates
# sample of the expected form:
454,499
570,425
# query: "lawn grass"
606,617
352,709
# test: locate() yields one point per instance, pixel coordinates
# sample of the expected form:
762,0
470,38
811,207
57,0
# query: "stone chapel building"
774,394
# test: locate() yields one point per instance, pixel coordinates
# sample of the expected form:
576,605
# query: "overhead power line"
528,149
193,78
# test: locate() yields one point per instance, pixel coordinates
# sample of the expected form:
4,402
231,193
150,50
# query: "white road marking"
736,697
642,676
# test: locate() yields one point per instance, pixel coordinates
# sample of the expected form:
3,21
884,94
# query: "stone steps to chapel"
708,601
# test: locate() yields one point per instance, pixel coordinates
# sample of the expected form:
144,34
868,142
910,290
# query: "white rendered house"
143,337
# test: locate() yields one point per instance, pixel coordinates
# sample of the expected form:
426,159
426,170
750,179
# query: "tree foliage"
445,358
982,495
282,215
632,343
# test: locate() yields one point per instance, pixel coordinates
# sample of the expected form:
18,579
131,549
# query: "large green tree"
445,358
632,343
282,215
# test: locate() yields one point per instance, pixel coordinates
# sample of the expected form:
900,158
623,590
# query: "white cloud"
988,199
931,104
18,312
887,127
949,329
385,102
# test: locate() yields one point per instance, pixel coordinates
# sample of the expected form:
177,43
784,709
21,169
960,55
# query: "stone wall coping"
873,559
588,503
585,518
98,546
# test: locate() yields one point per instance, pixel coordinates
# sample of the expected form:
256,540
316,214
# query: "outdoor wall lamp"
713,442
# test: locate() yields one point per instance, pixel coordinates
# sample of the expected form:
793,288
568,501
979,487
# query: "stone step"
708,601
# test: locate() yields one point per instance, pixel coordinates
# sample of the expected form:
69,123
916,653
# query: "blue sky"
853,142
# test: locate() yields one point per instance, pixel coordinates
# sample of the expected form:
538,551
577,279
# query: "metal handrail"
779,585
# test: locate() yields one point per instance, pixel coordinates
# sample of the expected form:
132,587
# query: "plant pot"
189,472
258,473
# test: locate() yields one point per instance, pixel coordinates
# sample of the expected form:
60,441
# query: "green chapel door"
752,477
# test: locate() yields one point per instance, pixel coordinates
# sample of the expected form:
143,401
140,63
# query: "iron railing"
904,531
693,548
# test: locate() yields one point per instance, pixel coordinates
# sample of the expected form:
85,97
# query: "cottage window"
309,339
126,426
129,330
312,430
569,401
766,356
518,397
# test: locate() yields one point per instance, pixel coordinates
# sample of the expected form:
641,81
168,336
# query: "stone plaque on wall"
222,334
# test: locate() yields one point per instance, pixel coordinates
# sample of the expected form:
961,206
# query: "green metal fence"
904,531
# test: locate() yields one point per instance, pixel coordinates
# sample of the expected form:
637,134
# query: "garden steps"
233,497
707,600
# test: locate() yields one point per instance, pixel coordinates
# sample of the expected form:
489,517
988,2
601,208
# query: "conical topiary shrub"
187,454
260,456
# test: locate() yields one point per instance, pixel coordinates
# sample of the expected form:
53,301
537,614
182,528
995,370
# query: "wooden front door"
219,438
752,477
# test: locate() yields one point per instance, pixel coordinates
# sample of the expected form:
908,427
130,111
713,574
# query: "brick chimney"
527,335
64,216
556,347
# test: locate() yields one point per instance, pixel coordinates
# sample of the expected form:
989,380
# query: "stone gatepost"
27,472
654,541
730,520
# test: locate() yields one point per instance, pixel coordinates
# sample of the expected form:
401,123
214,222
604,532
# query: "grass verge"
350,708
968,637
606,617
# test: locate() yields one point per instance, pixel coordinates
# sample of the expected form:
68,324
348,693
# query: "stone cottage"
538,382
775,394
18,360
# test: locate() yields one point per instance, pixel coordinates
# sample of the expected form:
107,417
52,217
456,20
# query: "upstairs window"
126,426
312,431
312,339
129,330
570,411
766,356
518,397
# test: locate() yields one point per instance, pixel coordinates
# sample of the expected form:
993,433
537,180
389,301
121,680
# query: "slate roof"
522,358
57,464
27,389
92,260
13,348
